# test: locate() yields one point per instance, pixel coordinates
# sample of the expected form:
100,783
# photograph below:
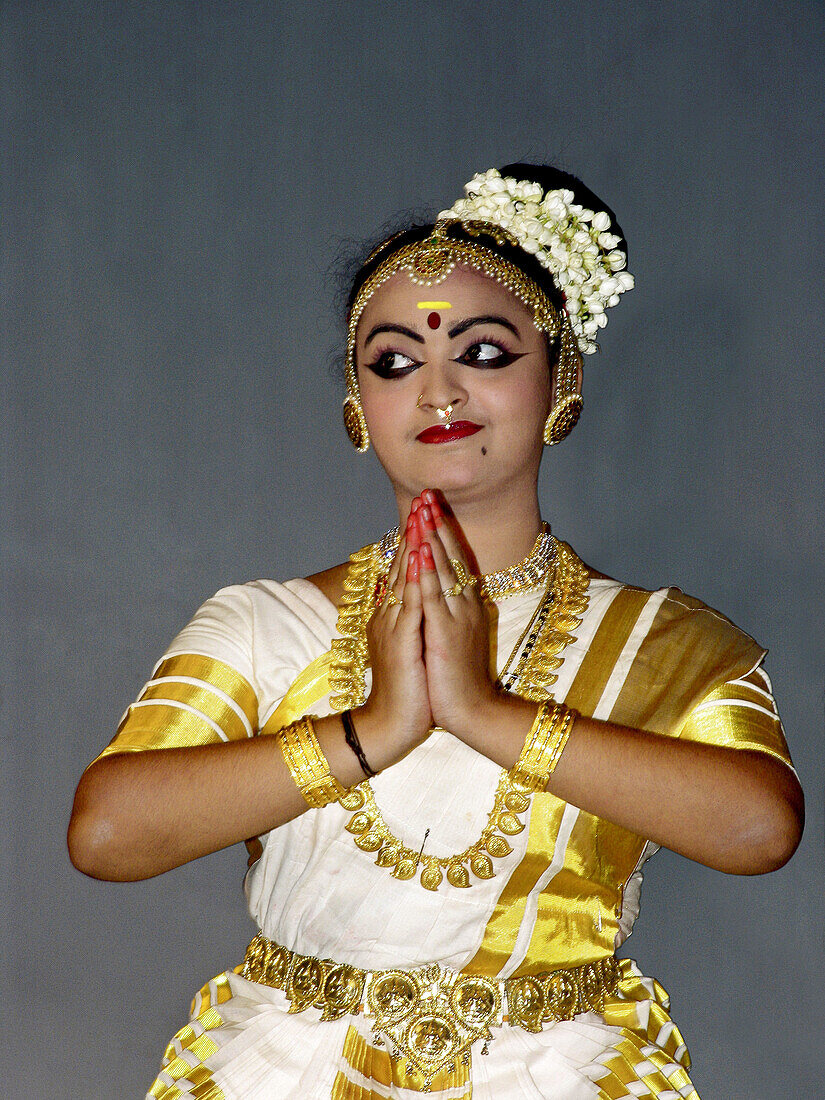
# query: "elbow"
96,838
772,834
782,839
89,840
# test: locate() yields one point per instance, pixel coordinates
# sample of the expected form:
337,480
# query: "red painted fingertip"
413,536
427,559
416,504
412,567
427,517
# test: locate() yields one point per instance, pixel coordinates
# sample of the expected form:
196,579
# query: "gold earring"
563,418
568,406
356,424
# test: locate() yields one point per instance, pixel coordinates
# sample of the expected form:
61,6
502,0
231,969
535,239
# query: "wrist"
354,742
384,739
491,710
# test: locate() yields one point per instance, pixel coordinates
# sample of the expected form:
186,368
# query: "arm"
735,810
139,813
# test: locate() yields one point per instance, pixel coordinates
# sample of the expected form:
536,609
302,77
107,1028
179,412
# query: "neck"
499,533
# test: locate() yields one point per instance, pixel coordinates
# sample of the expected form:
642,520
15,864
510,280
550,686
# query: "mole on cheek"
484,450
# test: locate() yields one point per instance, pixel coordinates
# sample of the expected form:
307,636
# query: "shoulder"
330,582
671,626
263,617
666,605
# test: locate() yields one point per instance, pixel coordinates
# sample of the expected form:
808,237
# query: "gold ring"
455,590
462,575
392,599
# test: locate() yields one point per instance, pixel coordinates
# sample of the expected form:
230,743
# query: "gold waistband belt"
428,1015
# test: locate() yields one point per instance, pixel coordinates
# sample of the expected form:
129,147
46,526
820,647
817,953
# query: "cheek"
383,408
525,403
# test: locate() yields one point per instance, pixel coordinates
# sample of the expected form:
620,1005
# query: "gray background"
177,179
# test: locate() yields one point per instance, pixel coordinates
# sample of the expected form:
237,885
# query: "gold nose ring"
445,414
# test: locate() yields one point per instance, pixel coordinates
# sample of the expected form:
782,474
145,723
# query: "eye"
488,355
392,364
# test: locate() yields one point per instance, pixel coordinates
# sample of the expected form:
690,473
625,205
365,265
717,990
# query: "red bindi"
434,320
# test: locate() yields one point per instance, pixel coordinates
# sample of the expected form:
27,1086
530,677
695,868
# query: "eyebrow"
485,319
456,330
413,335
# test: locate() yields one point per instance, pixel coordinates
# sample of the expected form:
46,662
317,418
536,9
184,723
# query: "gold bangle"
307,764
544,745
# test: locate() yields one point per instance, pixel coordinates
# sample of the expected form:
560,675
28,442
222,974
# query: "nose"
441,390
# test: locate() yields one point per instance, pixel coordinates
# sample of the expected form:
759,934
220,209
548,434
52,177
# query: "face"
467,345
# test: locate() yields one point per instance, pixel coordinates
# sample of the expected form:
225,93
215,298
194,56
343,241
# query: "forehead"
467,291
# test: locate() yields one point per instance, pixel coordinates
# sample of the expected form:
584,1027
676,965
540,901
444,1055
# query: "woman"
421,892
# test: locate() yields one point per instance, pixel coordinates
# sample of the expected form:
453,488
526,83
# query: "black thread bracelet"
351,738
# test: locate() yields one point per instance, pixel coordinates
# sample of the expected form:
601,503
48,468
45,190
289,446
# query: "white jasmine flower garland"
570,241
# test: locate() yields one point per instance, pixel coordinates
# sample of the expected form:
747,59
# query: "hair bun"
554,179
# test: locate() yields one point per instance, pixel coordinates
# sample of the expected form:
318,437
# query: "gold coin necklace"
547,633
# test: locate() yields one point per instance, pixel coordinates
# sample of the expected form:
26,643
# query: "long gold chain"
547,634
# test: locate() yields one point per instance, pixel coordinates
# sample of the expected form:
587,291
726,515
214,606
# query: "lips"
443,433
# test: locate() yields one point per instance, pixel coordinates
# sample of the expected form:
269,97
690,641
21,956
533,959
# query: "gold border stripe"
570,929
598,663
306,689
605,649
503,925
344,1089
163,716
739,725
216,673
365,1059
203,698
688,650
162,726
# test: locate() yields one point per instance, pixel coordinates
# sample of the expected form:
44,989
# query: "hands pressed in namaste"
430,652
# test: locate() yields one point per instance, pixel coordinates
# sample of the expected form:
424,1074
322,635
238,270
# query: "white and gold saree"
565,893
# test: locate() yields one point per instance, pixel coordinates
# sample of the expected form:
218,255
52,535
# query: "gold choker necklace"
525,575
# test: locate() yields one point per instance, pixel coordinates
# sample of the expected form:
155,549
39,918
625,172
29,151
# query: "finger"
433,498
414,533
413,566
453,545
431,598
411,594
443,568
398,566
447,527
447,575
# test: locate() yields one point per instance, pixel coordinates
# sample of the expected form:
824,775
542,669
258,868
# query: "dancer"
454,752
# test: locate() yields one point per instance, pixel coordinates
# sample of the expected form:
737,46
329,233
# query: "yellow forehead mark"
435,305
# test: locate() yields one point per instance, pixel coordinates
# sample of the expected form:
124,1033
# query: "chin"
459,480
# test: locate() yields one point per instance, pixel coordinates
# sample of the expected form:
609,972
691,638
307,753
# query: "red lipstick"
444,433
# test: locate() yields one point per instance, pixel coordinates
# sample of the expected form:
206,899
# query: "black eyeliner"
386,372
